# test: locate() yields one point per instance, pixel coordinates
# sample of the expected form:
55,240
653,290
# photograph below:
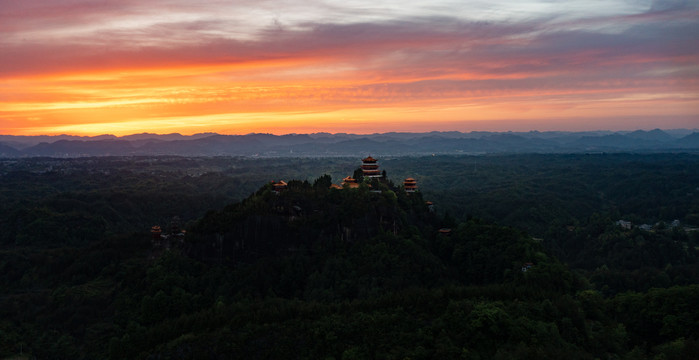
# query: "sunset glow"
235,67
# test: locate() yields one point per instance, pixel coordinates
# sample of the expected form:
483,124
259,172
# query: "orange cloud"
360,77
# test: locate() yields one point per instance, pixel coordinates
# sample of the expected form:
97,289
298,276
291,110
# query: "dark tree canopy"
495,257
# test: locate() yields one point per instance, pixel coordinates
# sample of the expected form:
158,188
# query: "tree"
323,182
358,175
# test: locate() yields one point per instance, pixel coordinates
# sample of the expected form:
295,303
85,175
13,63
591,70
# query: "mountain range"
342,144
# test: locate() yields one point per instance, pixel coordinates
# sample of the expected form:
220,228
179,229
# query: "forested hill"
391,235
308,216
304,270
404,277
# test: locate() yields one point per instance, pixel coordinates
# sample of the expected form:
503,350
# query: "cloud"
409,50
672,5
132,35
180,58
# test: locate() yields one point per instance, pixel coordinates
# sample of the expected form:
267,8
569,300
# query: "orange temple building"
370,168
350,182
410,185
279,186
156,231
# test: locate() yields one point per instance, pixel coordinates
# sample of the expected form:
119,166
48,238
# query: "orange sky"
89,68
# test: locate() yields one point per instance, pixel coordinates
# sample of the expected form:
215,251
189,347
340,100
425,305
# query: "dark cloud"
672,5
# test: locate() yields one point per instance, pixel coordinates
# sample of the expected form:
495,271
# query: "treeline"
54,210
535,192
67,202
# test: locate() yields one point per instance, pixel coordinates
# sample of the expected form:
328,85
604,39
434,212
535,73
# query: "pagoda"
410,185
370,168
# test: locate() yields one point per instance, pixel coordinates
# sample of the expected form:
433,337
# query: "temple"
279,186
350,182
410,185
156,231
370,168
444,231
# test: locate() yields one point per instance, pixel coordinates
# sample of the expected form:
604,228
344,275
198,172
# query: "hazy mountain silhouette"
325,144
8,151
22,142
653,135
165,137
690,141
81,148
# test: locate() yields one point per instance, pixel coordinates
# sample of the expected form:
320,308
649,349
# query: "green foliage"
311,272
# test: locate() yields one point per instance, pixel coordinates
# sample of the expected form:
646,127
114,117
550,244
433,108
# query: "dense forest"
587,256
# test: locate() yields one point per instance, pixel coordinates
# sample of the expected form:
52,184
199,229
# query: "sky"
360,66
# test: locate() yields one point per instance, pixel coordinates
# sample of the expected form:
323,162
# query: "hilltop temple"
350,182
370,168
410,185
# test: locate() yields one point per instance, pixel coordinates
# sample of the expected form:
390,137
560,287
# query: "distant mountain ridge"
342,144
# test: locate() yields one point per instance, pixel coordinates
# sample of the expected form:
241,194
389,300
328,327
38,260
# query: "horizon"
88,68
667,130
